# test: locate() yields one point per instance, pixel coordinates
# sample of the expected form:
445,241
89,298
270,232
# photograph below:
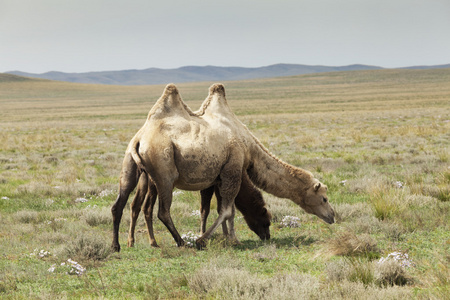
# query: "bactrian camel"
194,151
249,202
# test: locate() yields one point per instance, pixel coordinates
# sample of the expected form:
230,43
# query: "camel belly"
196,168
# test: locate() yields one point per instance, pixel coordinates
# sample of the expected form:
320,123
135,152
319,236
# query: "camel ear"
316,187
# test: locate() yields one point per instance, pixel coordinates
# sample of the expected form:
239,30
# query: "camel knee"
163,216
227,212
116,211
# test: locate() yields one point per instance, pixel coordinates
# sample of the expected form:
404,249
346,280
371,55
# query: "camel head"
316,202
259,223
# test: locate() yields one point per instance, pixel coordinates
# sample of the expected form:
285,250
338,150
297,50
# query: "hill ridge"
193,73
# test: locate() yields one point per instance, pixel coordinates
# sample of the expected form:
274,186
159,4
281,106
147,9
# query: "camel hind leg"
149,203
136,205
128,181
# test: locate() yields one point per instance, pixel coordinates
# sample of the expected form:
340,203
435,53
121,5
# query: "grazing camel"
194,151
249,202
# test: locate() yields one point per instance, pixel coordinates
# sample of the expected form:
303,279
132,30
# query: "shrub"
390,272
351,269
88,247
95,216
27,216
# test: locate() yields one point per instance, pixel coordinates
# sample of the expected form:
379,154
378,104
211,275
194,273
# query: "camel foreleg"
165,201
205,206
228,189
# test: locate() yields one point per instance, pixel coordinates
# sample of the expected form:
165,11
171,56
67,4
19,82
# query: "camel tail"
136,157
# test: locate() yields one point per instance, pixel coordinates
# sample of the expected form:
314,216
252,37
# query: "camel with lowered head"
194,151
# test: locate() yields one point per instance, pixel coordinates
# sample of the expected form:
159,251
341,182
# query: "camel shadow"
282,242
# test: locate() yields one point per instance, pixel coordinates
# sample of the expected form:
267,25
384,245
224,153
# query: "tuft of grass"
349,244
360,271
387,203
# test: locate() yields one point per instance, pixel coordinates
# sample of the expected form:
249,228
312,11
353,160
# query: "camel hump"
170,89
170,103
215,102
217,88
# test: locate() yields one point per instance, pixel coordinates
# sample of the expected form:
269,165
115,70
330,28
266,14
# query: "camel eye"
325,200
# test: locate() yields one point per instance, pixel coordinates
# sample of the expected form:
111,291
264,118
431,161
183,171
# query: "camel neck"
275,176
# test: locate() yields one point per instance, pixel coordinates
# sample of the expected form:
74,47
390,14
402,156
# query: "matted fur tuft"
216,88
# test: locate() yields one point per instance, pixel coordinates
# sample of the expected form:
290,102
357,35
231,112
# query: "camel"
194,151
249,202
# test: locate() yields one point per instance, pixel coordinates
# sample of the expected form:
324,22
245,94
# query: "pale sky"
97,35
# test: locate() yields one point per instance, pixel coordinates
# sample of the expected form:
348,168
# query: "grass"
378,139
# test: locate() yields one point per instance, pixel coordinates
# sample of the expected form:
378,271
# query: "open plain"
378,139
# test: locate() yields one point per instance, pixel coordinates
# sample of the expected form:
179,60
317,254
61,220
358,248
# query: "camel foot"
200,244
181,243
115,247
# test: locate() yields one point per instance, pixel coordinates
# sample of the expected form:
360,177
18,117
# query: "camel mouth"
329,220
264,237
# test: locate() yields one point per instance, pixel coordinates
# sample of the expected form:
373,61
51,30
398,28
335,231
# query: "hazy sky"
96,35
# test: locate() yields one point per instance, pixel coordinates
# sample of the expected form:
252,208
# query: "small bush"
351,269
389,273
338,270
88,247
97,216
348,244
27,216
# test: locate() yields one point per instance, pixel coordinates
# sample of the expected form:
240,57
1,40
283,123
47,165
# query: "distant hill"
428,67
189,74
4,77
196,73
